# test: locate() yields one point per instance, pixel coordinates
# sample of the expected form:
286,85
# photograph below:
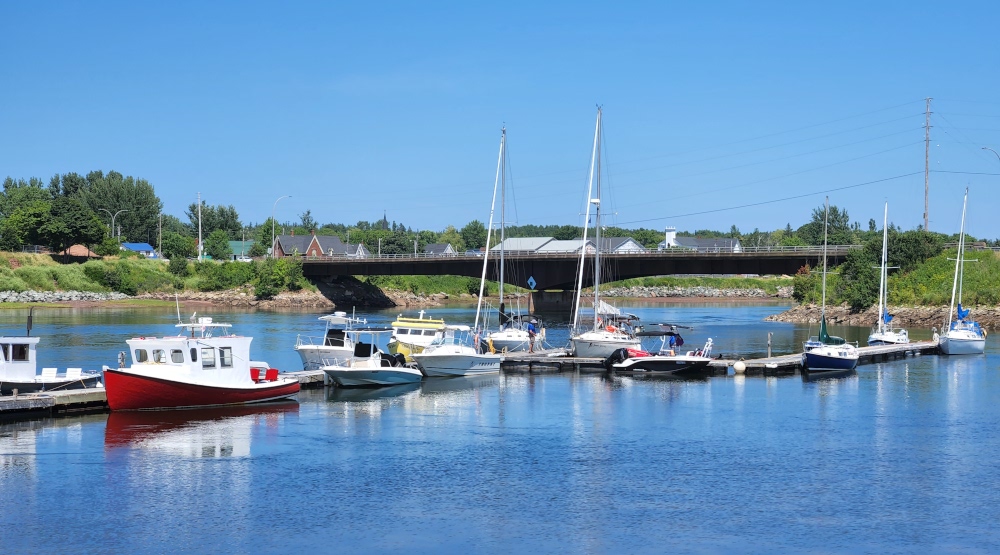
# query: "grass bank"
769,285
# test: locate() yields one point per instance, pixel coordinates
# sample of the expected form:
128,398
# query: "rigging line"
974,115
959,130
765,180
966,173
790,156
969,101
774,201
795,142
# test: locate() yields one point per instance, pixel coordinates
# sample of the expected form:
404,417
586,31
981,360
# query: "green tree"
308,221
451,235
214,218
473,235
839,229
217,245
23,226
18,193
135,198
176,245
71,222
179,266
257,250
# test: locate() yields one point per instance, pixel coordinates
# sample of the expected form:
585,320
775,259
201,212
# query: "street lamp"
993,151
272,222
113,216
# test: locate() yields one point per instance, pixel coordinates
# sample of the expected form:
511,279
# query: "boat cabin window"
6,350
402,331
194,354
207,357
141,355
159,356
18,352
177,356
429,332
226,357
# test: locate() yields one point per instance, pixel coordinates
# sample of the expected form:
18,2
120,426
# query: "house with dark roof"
700,244
331,245
439,249
291,245
522,244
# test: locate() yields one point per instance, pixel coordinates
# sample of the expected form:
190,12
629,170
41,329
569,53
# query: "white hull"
509,340
587,346
372,377
889,338
458,364
316,356
962,345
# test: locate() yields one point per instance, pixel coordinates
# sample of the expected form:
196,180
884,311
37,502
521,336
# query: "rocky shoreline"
641,292
57,296
913,316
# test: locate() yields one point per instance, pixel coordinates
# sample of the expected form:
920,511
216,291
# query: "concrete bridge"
558,270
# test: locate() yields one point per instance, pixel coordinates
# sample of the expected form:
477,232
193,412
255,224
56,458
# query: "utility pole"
159,235
201,247
927,163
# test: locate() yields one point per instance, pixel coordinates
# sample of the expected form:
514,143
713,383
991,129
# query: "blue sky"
356,108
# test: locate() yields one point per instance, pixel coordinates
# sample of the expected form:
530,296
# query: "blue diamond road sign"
531,282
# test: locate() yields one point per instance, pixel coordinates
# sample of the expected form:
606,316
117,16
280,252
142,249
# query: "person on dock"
531,335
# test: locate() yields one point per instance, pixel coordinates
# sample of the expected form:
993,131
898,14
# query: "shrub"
179,266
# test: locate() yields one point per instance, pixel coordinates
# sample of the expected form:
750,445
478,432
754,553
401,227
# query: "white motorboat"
368,366
602,338
453,356
825,352
668,360
334,347
884,333
962,336
19,368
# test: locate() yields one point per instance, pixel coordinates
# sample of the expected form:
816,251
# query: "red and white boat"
206,366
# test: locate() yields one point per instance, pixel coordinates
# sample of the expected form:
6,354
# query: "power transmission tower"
927,162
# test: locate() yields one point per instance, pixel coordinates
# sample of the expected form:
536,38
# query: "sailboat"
828,353
883,333
605,337
511,335
963,337
451,355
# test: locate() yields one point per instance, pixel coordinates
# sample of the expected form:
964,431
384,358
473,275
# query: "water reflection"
200,433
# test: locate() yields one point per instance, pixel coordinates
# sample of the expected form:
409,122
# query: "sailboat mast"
961,247
826,224
503,203
597,231
489,228
958,263
586,223
882,292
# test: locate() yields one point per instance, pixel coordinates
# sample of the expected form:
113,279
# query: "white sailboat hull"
315,357
889,337
962,344
600,344
509,340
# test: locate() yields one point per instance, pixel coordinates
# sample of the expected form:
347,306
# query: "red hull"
131,392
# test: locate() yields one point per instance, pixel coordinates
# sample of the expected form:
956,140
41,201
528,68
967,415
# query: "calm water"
898,458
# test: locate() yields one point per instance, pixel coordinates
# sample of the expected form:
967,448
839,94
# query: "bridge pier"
551,301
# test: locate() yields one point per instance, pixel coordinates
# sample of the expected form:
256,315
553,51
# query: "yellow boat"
411,335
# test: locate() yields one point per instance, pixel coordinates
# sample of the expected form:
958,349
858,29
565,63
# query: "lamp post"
272,222
113,216
993,151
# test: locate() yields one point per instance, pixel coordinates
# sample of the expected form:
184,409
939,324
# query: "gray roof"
570,245
611,244
529,244
291,243
437,248
328,243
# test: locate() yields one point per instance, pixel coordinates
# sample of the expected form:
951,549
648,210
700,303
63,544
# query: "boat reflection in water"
196,433
433,386
360,395
828,375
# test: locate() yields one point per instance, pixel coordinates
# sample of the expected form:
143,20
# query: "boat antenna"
30,313
177,303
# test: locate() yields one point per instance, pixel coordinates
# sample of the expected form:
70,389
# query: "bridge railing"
832,250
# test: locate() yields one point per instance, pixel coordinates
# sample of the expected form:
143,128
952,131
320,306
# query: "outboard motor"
618,356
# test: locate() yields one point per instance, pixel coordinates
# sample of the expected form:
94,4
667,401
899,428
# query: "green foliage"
474,235
135,198
179,267
18,193
109,246
116,277
23,226
451,235
215,218
176,245
215,276
217,245
804,285
71,223
428,285
769,285
257,249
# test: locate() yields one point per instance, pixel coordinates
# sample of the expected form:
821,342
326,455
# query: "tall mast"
927,162
597,227
826,221
958,263
882,297
586,223
503,201
489,229
201,247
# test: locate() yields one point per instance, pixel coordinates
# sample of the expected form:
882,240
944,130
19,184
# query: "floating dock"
77,401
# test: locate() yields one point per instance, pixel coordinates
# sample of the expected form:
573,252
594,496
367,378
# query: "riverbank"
906,317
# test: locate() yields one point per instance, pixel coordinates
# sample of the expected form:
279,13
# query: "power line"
772,201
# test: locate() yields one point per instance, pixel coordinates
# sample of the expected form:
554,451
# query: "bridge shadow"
348,291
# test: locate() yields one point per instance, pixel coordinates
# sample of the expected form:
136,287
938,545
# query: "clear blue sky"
356,108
